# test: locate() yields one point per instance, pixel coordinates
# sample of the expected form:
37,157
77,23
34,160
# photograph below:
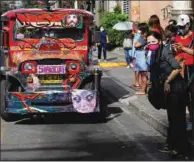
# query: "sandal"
136,86
140,93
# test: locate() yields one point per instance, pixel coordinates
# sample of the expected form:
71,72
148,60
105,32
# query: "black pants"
100,48
176,109
188,72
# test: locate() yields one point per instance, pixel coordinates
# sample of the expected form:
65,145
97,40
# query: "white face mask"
101,29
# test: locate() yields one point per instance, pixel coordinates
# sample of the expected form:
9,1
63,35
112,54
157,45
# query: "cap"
183,20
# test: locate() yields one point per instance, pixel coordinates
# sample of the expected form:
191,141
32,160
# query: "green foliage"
30,4
117,9
108,20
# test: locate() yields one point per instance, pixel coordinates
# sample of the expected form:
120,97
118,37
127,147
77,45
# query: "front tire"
100,116
4,115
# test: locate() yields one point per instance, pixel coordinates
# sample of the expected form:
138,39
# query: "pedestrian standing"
102,46
127,46
174,87
140,59
184,48
136,36
154,24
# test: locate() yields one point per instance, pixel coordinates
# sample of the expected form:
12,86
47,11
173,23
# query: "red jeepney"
44,56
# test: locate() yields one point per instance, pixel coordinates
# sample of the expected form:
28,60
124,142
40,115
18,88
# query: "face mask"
101,29
182,32
153,47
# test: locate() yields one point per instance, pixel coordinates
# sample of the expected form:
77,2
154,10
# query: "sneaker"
165,149
105,60
175,154
189,126
99,60
128,67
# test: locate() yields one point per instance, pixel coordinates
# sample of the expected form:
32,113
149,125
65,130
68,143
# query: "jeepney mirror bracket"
5,41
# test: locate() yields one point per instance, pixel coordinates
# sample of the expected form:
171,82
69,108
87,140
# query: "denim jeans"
127,57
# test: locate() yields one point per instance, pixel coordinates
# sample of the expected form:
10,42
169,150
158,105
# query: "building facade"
141,12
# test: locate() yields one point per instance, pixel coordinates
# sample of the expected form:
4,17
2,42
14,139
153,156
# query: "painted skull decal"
72,20
84,101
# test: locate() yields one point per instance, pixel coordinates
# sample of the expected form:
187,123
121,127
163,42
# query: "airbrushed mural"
81,101
49,88
41,20
47,69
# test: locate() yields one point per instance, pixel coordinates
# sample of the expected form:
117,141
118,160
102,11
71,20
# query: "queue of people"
171,51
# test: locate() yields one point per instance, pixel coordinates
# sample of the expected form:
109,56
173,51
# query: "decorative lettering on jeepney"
19,57
15,48
41,20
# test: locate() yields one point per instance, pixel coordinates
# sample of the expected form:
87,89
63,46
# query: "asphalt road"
123,137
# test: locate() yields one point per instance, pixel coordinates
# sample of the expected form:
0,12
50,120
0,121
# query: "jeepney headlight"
29,67
73,66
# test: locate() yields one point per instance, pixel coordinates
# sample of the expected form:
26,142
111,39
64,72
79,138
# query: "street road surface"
123,137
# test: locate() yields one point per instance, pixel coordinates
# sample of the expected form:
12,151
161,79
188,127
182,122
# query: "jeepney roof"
11,13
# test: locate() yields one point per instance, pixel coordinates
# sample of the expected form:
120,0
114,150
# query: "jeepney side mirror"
5,39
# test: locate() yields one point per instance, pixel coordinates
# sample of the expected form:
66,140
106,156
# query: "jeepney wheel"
5,116
101,116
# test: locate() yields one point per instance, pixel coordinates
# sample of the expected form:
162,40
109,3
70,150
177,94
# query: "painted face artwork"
84,101
72,20
153,43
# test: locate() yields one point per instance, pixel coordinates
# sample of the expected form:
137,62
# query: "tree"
30,4
7,5
108,20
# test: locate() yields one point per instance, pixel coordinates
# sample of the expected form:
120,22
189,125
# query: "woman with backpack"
127,46
167,70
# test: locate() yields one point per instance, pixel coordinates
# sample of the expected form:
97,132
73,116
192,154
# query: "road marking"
112,64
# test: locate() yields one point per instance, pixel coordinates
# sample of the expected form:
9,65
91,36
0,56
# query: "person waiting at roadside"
170,33
103,44
154,24
127,46
140,59
184,48
174,87
136,36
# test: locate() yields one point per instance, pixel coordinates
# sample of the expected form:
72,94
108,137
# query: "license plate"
51,69
51,79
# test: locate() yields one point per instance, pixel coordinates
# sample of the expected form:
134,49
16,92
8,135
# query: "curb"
112,64
139,108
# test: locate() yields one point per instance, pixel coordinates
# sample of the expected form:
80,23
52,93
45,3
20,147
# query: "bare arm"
173,74
138,44
188,50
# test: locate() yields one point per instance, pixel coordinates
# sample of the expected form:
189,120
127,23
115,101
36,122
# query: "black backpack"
156,95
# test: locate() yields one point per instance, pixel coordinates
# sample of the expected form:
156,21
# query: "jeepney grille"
51,79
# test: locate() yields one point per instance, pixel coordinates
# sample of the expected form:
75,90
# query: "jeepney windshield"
58,33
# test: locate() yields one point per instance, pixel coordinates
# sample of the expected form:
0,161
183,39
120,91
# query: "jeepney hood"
23,56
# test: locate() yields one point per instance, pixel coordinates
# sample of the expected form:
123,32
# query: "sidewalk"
137,104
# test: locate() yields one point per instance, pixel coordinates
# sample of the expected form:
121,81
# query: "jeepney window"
38,33
5,23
